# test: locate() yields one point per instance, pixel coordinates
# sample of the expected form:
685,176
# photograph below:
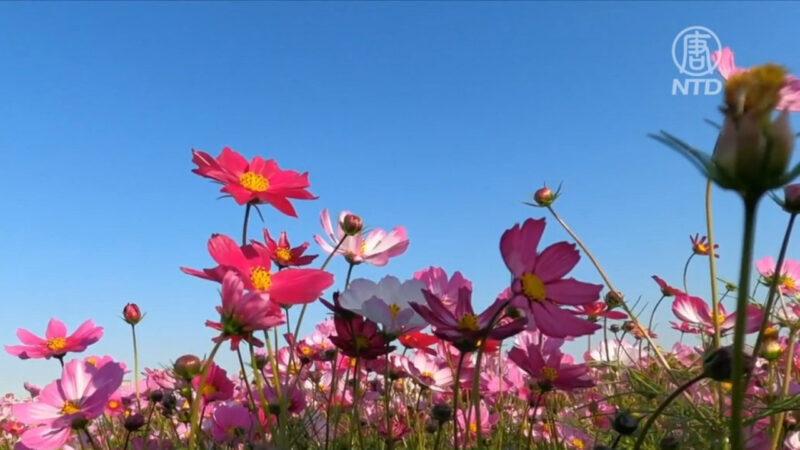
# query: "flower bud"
79,423
352,224
669,442
131,313
187,367
155,396
718,365
791,198
772,350
431,426
613,299
544,197
134,422
442,412
624,424
614,328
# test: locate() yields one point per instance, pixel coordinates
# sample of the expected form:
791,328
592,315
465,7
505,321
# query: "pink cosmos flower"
429,371
376,248
256,182
789,281
789,93
468,426
358,337
217,386
596,310
435,278
56,343
283,254
32,389
81,393
463,327
296,399
539,286
700,245
243,313
685,327
666,289
253,264
231,422
551,369
695,311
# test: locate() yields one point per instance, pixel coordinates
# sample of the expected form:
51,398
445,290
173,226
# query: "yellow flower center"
92,360
473,428
307,351
261,278
113,404
727,385
701,249
283,254
720,318
426,374
789,284
578,443
549,374
70,407
254,181
56,344
533,287
363,247
362,343
756,89
209,390
394,310
468,322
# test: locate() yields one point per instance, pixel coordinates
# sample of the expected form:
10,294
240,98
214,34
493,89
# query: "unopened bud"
131,313
624,424
613,299
544,197
79,423
155,396
134,422
614,328
187,366
442,412
431,426
352,224
718,365
772,350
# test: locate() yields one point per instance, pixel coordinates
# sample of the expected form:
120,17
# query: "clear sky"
441,117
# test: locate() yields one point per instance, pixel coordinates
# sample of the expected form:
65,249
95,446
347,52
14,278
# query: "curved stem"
686,271
773,285
737,375
652,418
653,312
194,421
476,395
455,399
349,273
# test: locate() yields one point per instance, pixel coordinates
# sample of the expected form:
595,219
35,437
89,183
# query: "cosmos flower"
700,246
376,247
789,92
789,279
282,254
359,338
539,286
254,266
429,371
80,395
696,312
243,313
550,368
446,289
386,303
217,386
56,343
255,182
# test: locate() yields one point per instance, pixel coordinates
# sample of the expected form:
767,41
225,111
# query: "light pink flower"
231,422
429,371
81,393
695,311
789,281
550,368
56,342
435,278
375,248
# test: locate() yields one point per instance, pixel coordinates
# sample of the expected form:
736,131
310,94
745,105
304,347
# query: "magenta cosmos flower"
462,327
254,182
243,313
217,386
539,286
789,93
55,343
375,248
231,422
283,254
696,312
80,394
254,265
789,278
357,337
550,368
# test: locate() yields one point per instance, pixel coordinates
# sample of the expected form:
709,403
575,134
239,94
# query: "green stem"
244,225
136,368
652,418
194,420
787,376
455,399
260,387
334,366
349,273
355,418
712,267
476,399
773,285
737,375
686,272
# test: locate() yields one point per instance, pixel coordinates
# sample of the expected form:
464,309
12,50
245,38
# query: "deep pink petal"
556,261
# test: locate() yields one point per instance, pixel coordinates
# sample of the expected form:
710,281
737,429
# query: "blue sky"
441,117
